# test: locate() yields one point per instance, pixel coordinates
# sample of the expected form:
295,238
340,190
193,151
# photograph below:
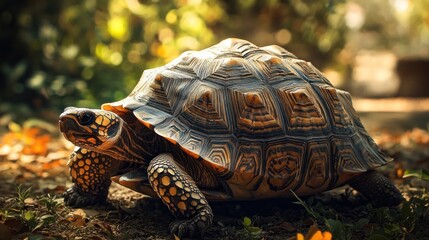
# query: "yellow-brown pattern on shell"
235,95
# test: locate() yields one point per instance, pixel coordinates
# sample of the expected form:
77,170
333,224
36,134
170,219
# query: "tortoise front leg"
90,172
181,195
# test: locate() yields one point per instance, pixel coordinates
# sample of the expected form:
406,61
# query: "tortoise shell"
262,119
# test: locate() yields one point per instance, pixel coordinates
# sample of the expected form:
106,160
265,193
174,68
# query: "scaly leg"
90,172
377,188
181,195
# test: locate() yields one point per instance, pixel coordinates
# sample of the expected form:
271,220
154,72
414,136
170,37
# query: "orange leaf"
315,236
10,138
327,235
35,144
314,233
77,218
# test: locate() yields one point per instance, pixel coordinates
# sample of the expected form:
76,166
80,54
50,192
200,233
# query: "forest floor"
33,176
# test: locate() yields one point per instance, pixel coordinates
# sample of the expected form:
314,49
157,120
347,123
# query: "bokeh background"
56,54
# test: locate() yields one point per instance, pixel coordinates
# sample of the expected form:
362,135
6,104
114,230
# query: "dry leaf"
288,226
77,218
314,233
103,225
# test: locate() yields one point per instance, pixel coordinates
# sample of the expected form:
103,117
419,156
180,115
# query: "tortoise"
231,122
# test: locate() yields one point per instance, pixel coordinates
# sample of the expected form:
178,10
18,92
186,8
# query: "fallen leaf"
327,235
58,155
77,218
103,225
5,150
288,226
90,212
27,158
13,157
53,164
314,233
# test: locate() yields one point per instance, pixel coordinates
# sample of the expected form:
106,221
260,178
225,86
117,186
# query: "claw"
74,198
187,228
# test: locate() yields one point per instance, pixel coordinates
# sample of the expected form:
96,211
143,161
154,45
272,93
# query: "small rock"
29,202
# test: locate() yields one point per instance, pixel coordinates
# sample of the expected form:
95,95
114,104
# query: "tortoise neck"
132,146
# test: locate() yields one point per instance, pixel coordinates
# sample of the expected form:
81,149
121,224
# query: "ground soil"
130,215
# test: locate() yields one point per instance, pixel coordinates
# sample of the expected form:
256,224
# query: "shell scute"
204,109
318,172
304,112
248,170
284,164
340,119
256,113
222,155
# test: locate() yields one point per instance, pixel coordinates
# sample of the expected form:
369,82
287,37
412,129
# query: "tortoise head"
93,129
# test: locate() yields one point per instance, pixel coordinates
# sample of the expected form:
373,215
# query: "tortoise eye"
86,118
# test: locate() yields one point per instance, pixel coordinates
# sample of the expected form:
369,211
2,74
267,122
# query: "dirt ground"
36,157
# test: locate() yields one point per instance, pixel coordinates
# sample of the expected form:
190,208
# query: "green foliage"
420,173
328,217
50,202
251,231
246,231
35,214
380,223
35,222
60,53
22,194
85,53
397,223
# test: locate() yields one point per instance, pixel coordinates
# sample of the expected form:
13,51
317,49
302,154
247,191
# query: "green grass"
29,211
376,224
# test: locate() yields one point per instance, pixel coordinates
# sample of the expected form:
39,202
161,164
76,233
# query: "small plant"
420,173
252,231
23,193
247,232
34,222
398,223
50,202
5,214
328,217
34,216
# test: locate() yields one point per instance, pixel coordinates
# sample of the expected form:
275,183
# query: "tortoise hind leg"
377,188
181,195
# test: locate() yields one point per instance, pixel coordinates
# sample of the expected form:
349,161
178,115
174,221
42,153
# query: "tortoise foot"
191,228
377,189
75,198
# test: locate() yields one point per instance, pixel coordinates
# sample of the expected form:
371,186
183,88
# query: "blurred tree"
401,26
61,53
313,30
